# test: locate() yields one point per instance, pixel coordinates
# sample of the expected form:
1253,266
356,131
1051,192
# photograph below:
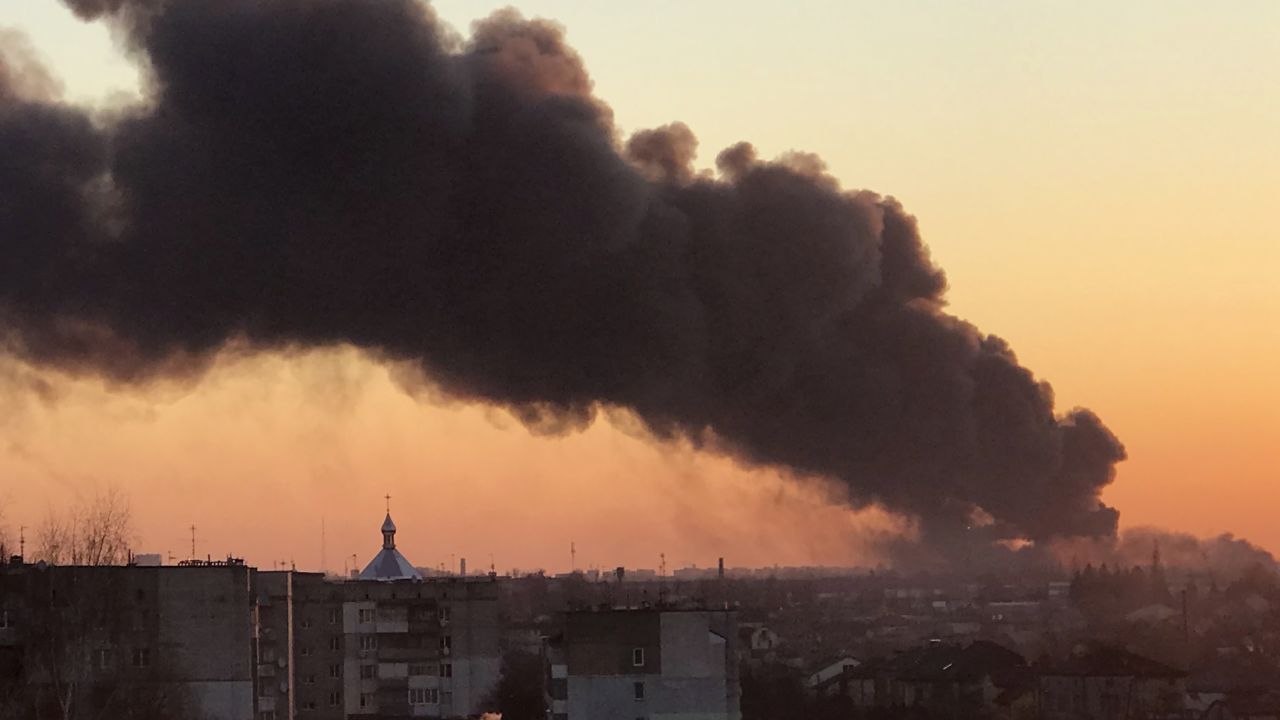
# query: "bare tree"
7,547
94,531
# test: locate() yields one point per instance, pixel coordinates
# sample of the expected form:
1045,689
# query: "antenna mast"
193,542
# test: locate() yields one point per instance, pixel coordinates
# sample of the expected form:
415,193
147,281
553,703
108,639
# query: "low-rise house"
823,675
938,677
1109,683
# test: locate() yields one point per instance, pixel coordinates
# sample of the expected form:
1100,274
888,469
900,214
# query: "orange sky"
1099,183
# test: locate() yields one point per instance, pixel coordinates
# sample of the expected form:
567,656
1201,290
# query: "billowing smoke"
313,172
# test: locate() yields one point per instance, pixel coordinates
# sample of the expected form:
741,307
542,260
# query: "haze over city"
1098,194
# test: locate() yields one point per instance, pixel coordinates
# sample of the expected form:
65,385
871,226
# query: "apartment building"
650,663
128,638
224,641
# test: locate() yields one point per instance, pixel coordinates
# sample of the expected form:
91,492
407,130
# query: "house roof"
943,662
1111,661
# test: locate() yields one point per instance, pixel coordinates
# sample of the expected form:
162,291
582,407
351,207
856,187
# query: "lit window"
637,657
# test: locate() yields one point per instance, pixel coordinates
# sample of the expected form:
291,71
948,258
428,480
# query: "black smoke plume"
312,172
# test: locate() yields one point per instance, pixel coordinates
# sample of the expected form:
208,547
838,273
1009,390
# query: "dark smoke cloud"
312,172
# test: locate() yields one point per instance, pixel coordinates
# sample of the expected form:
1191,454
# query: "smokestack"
462,567
470,213
720,569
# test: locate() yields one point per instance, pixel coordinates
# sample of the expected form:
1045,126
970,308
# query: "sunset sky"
1099,180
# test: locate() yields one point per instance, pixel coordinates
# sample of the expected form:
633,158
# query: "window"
368,672
366,700
306,623
446,644
637,657
309,705
309,679
305,651
366,615
104,659
335,642
335,699
446,670
333,617
368,642
141,657
422,669
444,614
639,691
335,671
4,619
422,696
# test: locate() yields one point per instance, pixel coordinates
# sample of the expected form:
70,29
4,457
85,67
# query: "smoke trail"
314,172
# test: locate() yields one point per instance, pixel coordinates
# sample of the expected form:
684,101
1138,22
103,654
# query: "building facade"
100,641
224,641
651,663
